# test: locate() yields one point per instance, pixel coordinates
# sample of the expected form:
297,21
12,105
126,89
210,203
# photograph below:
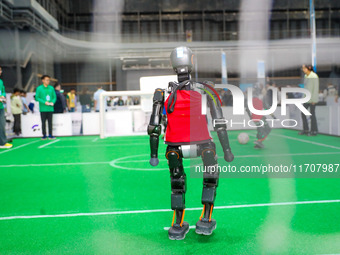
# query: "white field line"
98,145
306,141
17,147
160,160
46,144
165,210
58,164
247,156
287,154
95,139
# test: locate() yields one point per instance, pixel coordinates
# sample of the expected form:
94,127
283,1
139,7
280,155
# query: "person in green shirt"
3,139
46,96
311,82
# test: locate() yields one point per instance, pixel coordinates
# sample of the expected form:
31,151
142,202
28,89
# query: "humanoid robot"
263,128
187,136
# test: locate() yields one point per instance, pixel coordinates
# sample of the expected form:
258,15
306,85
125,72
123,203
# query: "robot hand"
228,155
155,128
154,161
154,132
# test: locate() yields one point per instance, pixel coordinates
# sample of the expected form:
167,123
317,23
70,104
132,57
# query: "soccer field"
85,195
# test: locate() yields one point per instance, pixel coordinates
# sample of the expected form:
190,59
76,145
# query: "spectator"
269,95
60,104
335,80
330,94
16,108
71,100
278,94
136,101
33,105
25,108
3,139
321,97
115,101
120,101
96,98
227,98
85,100
290,94
311,82
129,101
108,101
46,97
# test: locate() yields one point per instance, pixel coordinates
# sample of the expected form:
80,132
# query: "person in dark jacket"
85,100
60,104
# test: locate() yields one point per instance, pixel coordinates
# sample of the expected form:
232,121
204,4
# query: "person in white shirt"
311,82
16,108
96,97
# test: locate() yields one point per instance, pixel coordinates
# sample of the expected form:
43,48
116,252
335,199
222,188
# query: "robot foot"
258,145
176,232
205,227
304,132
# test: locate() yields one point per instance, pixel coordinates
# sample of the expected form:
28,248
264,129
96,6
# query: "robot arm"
154,128
220,126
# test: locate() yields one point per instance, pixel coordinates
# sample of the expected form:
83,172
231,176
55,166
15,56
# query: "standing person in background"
16,108
330,94
33,105
71,100
46,97
311,82
268,100
96,98
121,101
85,100
60,103
129,101
25,108
3,138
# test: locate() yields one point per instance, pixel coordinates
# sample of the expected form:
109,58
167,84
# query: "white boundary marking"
58,164
165,210
97,145
46,144
286,154
306,141
17,147
95,139
114,162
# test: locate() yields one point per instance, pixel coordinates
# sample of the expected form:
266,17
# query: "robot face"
182,59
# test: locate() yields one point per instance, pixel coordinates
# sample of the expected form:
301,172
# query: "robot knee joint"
209,157
178,184
175,163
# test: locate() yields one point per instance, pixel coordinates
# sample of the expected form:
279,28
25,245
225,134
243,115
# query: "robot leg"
262,132
179,228
206,225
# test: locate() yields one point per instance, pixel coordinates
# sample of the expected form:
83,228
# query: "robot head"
182,60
